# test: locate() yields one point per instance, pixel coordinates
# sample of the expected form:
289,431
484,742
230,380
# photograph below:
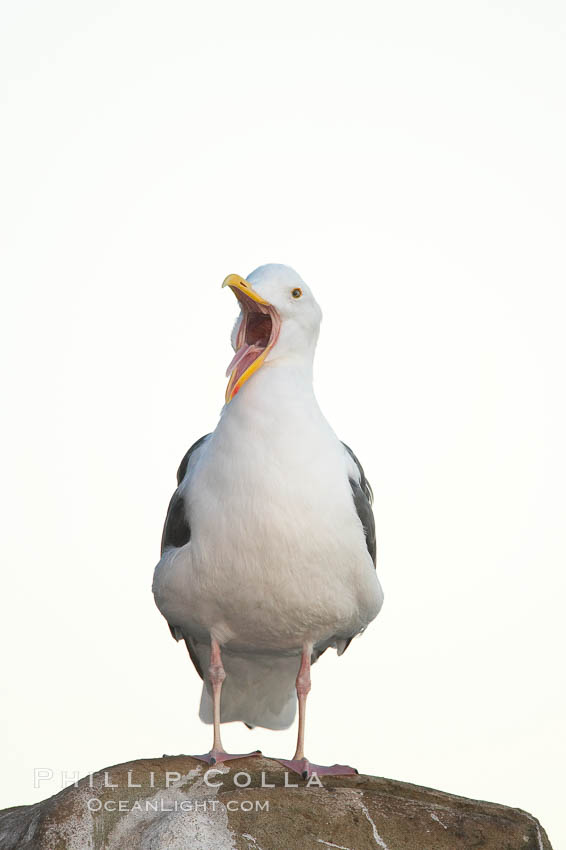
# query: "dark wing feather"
177,634
363,498
193,656
177,529
177,533
181,472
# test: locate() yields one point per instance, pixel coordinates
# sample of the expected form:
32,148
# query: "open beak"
257,334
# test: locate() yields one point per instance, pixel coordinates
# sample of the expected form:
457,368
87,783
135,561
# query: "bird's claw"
219,756
306,769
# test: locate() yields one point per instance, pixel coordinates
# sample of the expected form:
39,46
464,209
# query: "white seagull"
268,550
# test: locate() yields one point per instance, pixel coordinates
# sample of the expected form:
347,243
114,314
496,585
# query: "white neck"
282,389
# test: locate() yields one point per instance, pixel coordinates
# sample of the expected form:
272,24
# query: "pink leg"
303,686
299,763
217,674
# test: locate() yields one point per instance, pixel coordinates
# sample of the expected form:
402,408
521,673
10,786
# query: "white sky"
408,160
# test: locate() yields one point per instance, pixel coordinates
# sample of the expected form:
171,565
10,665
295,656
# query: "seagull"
268,551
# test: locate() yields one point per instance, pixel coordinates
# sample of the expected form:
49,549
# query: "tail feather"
258,689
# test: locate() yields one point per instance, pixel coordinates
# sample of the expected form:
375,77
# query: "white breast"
277,553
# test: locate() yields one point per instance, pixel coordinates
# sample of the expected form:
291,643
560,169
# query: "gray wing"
363,499
177,533
183,466
177,529
362,495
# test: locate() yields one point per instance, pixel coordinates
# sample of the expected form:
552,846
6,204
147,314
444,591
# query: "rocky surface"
253,804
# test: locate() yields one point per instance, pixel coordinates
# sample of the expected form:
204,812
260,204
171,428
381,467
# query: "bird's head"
279,320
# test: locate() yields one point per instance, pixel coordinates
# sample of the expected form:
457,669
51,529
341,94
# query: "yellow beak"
238,285
234,281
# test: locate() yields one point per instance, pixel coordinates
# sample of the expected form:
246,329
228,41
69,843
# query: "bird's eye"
296,293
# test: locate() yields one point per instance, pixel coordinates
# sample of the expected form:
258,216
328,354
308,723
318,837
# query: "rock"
254,804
